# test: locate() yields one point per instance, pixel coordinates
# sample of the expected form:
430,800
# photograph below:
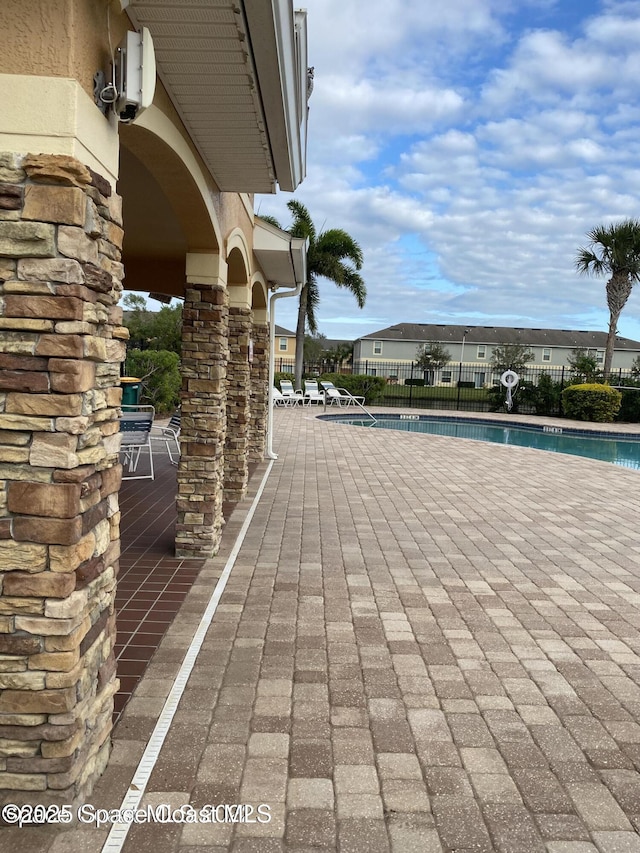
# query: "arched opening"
164,211
167,216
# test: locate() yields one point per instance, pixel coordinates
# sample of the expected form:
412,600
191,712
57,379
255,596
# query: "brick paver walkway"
426,644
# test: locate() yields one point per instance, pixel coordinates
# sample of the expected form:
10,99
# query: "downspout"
272,339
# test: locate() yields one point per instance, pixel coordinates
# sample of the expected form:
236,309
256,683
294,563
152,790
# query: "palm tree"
613,250
331,254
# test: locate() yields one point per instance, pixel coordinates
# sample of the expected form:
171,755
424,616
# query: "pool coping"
558,426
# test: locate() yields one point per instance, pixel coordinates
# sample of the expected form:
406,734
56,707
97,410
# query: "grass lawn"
400,395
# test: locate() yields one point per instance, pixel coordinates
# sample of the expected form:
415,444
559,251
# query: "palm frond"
354,283
340,244
588,263
302,225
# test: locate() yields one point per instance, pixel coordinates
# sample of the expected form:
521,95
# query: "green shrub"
159,371
630,408
546,396
591,401
419,383
358,384
497,397
278,375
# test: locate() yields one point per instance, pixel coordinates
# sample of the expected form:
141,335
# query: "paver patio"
425,644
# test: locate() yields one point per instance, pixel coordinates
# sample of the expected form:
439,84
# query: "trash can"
130,390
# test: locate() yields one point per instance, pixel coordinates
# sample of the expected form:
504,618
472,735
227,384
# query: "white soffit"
204,60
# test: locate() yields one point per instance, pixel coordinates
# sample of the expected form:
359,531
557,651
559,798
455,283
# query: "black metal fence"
466,387
316,368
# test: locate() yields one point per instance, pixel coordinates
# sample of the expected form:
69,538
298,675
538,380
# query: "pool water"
618,448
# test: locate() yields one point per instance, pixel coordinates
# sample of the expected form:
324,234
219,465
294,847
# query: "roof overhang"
236,72
282,258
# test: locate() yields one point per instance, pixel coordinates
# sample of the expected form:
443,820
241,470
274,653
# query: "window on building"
482,351
445,376
600,356
283,344
377,347
546,354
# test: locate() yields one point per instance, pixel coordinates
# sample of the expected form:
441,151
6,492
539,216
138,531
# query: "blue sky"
469,147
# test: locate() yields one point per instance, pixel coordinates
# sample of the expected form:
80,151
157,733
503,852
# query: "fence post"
560,395
411,387
459,381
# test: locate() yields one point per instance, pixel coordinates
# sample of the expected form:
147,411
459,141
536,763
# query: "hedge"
358,384
591,401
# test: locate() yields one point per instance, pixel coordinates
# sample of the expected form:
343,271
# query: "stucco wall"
59,38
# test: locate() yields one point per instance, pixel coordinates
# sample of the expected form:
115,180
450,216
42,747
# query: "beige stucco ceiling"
235,70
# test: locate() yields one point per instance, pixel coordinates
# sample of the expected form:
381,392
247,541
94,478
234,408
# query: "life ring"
509,379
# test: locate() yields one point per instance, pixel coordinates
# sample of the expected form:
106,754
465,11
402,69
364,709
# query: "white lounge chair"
279,399
294,397
340,396
312,394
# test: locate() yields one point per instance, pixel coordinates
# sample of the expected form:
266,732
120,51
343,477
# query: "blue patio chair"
136,423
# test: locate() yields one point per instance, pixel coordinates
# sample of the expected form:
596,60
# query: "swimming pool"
618,448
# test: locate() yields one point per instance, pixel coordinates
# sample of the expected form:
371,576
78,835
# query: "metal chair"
135,436
170,435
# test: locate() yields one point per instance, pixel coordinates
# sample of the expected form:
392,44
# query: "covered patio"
153,583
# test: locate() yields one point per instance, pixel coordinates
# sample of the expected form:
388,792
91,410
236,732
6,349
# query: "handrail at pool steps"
353,400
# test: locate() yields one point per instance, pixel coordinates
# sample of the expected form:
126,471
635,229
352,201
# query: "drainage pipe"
272,339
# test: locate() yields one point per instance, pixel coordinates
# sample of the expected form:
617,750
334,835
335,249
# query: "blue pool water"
618,448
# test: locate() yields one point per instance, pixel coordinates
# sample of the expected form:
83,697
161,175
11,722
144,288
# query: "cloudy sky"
469,146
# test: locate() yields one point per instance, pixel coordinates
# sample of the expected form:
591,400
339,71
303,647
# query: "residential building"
473,346
284,349
284,352
133,135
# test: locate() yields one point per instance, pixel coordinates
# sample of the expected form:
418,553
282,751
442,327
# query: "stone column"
205,348
61,343
235,454
259,392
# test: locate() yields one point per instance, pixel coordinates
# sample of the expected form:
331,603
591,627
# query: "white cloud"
388,107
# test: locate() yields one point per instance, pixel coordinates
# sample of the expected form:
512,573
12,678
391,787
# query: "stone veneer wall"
259,401
203,426
238,377
61,344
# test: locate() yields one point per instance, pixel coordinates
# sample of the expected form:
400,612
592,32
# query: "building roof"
283,333
497,335
335,343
